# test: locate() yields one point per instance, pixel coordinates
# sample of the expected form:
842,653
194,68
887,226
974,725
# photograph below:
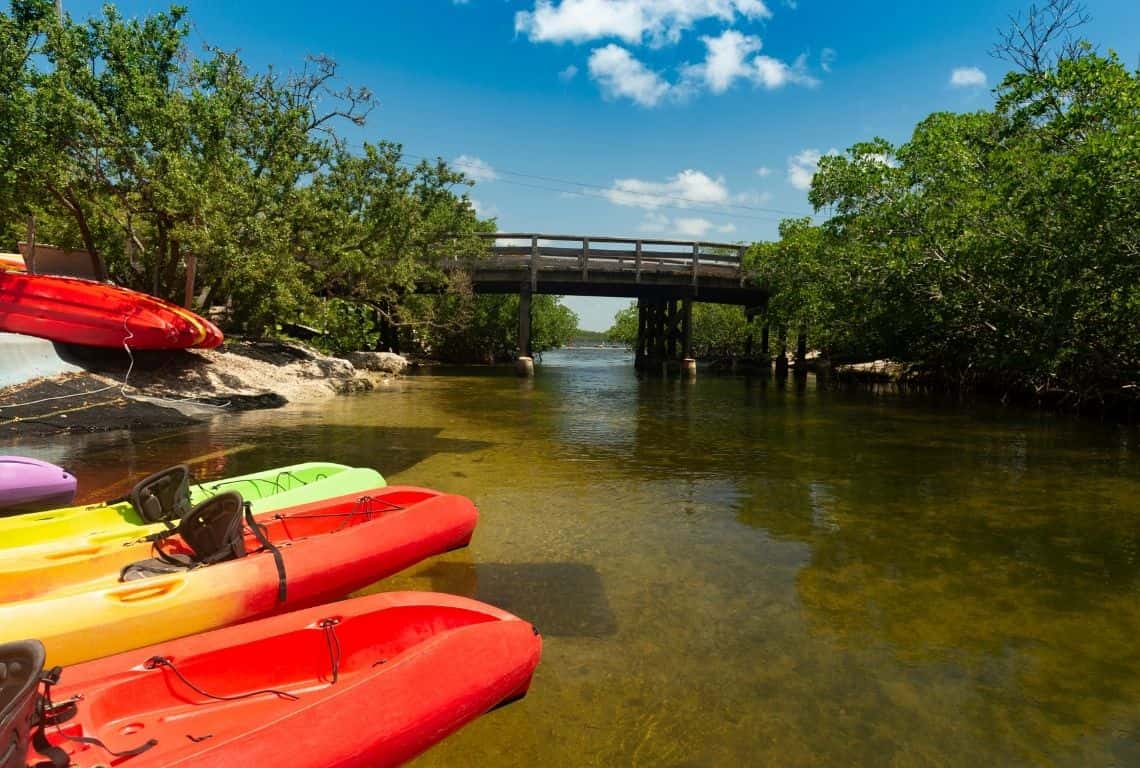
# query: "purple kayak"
30,485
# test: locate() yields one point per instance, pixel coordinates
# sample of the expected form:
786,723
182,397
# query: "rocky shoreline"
158,390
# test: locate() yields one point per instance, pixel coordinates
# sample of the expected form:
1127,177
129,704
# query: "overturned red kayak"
30,485
369,682
76,311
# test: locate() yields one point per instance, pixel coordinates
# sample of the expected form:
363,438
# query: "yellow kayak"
123,519
42,569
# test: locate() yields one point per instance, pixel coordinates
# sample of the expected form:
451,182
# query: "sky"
688,119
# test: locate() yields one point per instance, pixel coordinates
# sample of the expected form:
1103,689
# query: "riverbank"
108,390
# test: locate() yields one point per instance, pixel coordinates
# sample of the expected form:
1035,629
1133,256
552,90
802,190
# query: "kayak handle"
68,553
144,592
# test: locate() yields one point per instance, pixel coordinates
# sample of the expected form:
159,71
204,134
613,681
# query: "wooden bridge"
665,276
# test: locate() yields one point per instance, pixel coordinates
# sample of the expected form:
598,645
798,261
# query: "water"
727,572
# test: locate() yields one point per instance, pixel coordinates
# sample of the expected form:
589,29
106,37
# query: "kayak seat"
21,664
164,496
212,531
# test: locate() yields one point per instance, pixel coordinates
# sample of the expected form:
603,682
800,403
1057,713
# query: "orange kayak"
319,552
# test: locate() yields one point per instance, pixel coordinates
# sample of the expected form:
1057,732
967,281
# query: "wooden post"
764,345
533,263
191,273
637,262
687,330
30,259
584,259
642,327
524,321
696,263
782,355
801,351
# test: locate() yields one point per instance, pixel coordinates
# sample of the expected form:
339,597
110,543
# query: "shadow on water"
561,599
108,465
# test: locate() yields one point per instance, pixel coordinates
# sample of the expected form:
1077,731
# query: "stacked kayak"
12,262
298,557
111,521
28,485
194,626
367,682
35,570
77,311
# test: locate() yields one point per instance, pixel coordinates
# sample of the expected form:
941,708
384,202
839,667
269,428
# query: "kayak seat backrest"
21,664
164,496
213,528
212,531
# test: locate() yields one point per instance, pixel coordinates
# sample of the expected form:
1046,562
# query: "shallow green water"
731,573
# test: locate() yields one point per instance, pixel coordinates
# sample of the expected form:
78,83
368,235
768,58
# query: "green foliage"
489,330
718,330
348,327
122,142
624,329
999,247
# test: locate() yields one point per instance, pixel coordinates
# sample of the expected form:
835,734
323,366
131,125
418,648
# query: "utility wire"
584,189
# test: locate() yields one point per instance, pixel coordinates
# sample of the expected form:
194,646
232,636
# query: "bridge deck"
612,266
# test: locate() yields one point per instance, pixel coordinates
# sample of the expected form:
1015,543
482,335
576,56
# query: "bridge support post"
687,329
642,337
524,332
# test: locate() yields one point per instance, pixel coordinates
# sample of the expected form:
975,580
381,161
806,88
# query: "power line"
583,189
648,195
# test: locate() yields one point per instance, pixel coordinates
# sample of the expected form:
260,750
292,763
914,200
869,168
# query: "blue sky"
680,118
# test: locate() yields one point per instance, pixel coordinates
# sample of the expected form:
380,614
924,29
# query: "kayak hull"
328,550
97,524
77,311
30,485
413,668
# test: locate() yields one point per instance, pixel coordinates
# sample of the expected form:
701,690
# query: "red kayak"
76,311
214,573
368,682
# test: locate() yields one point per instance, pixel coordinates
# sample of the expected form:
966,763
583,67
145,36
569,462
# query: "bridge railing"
536,252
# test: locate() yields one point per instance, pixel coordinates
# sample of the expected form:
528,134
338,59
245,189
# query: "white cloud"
568,74
655,223
802,167
634,21
475,169
727,60
686,188
621,75
692,227
967,77
827,58
763,171
772,73
752,197
695,228
481,210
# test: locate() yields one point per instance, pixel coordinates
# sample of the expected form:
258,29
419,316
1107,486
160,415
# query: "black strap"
154,662
277,558
51,715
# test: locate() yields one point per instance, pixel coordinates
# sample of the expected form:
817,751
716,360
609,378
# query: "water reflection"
739,571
